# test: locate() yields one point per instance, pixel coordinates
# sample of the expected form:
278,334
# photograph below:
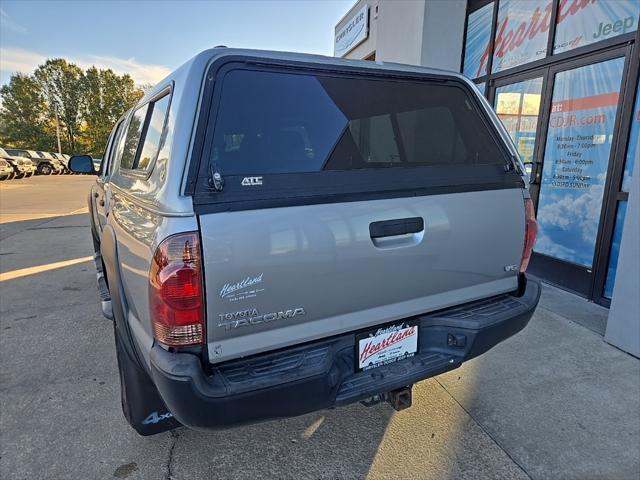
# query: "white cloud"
141,72
568,222
19,60
548,246
25,61
574,210
9,25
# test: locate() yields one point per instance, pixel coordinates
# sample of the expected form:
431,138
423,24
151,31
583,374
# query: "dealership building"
562,75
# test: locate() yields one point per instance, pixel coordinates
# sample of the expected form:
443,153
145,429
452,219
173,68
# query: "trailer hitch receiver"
400,398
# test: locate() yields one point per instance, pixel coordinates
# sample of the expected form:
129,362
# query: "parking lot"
555,401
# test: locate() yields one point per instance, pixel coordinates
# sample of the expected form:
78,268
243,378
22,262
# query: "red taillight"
530,232
175,291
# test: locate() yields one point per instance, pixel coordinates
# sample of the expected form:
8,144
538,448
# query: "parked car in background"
29,167
342,231
43,165
59,167
62,160
6,170
22,166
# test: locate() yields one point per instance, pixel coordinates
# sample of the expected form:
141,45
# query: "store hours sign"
577,152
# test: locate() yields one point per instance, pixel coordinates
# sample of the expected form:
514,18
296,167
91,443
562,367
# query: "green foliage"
61,84
107,97
24,115
87,105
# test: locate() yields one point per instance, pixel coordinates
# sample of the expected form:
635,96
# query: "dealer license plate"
387,345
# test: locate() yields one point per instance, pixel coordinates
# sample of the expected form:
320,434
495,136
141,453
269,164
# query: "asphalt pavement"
555,401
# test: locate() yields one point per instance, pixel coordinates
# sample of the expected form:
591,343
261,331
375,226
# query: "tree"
62,85
87,105
107,96
24,115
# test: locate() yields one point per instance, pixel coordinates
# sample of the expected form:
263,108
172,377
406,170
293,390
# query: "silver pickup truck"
278,233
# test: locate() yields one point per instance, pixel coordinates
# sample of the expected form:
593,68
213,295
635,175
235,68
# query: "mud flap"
142,406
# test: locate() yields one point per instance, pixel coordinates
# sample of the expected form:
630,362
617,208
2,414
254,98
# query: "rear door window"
144,135
132,138
271,123
153,135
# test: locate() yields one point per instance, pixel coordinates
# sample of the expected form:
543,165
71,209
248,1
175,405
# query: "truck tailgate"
281,276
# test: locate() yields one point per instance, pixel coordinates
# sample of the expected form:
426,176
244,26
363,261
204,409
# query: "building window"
615,250
582,23
576,159
521,33
518,106
537,52
632,152
476,50
634,145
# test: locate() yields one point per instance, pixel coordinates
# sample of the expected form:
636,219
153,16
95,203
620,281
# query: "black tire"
19,176
11,176
45,169
142,405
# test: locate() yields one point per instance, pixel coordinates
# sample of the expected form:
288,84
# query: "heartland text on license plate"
387,345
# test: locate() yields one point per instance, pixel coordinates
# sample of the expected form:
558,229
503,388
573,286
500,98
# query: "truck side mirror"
82,164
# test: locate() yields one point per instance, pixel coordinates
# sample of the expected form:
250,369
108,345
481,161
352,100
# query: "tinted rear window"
285,123
133,136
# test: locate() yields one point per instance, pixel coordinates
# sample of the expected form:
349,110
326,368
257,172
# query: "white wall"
623,326
400,31
417,32
442,34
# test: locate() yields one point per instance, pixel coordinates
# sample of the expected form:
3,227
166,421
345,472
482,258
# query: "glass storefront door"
578,145
562,77
518,107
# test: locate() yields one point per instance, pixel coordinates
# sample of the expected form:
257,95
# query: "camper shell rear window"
325,136
270,122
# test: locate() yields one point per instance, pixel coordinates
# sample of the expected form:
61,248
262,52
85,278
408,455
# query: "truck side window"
153,135
133,136
144,135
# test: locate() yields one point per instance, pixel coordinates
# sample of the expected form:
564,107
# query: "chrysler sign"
353,33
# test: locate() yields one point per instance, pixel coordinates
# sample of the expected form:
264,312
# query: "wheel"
11,175
19,175
45,169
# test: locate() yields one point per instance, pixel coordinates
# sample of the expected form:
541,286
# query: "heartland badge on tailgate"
387,345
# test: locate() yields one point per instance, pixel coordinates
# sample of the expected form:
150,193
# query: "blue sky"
150,38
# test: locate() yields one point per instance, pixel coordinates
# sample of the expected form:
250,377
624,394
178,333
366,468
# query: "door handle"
400,226
95,194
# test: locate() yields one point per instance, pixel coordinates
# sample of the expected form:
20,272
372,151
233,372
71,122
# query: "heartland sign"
523,26
353,33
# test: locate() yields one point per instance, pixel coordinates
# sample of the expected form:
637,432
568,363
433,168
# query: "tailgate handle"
400,226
